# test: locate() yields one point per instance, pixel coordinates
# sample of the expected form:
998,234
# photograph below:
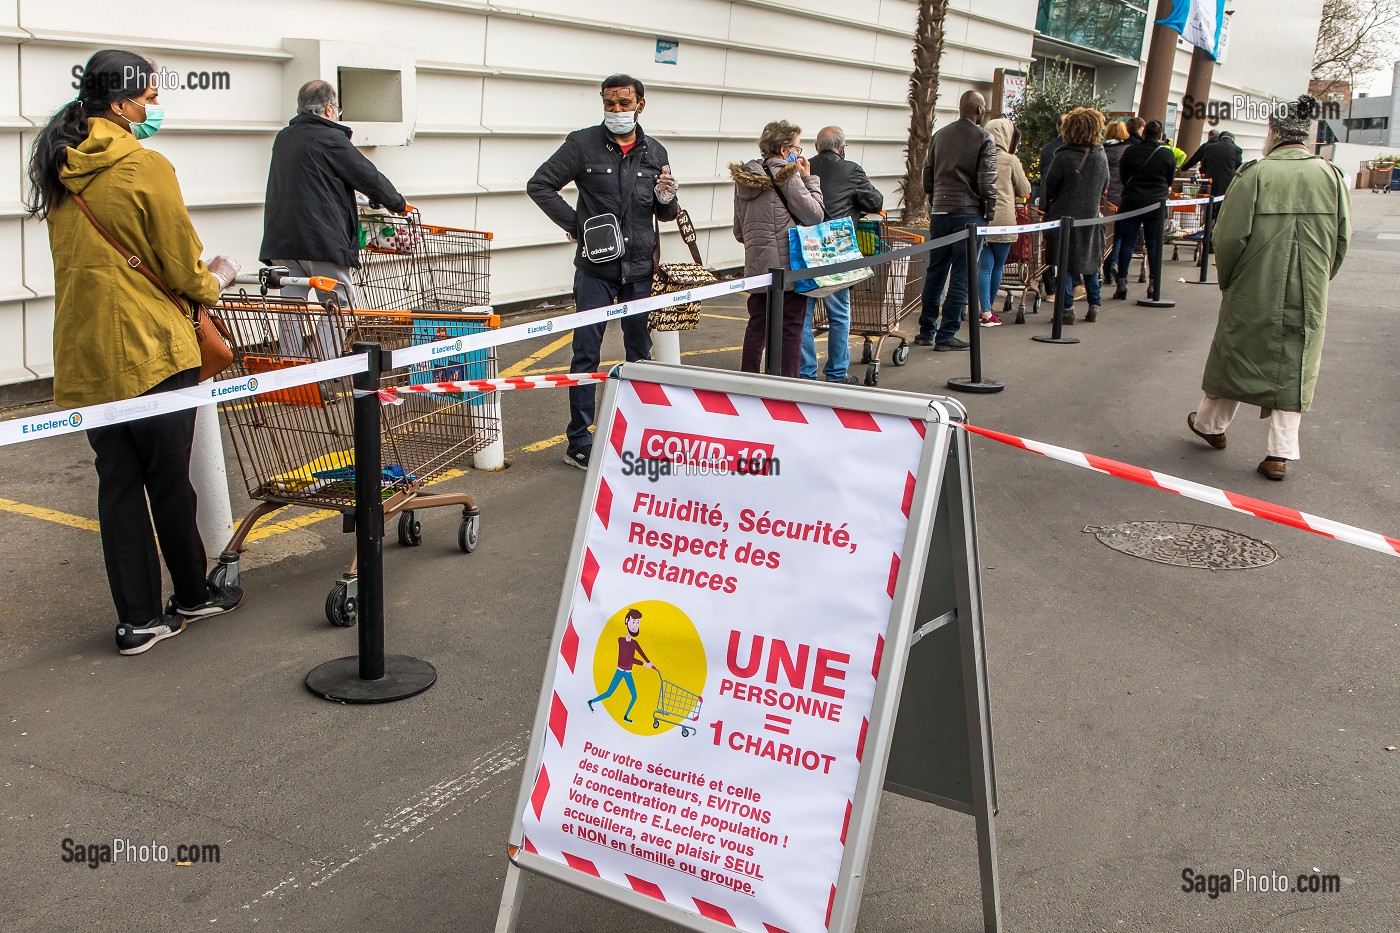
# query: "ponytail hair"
109,77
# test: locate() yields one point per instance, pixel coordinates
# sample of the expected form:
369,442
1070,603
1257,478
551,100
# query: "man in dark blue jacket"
624,181
847,192
310,223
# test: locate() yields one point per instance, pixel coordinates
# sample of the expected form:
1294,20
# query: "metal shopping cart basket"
880,302
405,263
296,446
676,705
1025,269
1186,222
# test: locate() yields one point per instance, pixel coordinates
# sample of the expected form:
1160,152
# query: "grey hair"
775,136
831,139
314,96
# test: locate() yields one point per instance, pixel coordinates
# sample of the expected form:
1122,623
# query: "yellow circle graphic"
668,694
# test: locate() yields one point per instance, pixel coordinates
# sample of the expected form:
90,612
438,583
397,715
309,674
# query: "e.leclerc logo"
71,420
544,328
454,348
247,385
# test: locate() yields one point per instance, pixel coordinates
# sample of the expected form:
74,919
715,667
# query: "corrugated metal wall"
497,86
494,89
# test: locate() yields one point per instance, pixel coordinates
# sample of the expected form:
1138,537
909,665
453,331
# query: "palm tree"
923,97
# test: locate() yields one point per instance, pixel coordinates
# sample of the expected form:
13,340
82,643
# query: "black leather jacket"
846,188
960,176
608,183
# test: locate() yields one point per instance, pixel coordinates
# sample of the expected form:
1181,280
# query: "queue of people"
119,334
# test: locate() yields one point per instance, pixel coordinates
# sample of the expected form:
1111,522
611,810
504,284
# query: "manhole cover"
1184,545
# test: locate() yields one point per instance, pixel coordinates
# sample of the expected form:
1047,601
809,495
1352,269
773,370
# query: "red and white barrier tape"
1208,494
394,395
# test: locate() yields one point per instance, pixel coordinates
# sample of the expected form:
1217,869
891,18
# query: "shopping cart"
880,302
1025,269
296,446
1186,223
675,705
405,263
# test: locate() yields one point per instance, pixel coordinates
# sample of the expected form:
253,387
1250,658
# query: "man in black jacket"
960,178
1219,159
847,192
310,223
624,180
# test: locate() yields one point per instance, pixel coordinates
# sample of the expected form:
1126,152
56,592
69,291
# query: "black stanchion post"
974,321
1062,277
370,676
773,359
1206,240
1154,293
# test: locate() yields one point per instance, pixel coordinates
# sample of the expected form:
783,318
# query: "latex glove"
666,186
224,269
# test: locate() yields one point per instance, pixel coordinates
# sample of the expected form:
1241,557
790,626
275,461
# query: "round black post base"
340,680
981,387
1199,282
1150,303
1046,338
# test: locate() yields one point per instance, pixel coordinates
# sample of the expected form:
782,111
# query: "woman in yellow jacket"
117,336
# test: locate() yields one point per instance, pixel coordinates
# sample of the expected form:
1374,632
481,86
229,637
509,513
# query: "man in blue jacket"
624,181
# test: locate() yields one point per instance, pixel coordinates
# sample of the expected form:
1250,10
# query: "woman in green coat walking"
1280,239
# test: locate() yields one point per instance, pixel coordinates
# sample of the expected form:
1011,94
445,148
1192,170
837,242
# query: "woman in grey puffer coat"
1074,187
762,218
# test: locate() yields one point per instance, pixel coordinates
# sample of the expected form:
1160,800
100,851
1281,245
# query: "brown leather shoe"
1273,469
1215,440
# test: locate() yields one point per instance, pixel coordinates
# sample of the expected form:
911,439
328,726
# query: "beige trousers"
1215,415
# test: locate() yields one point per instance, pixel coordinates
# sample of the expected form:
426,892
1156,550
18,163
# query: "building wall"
1269,58
494,89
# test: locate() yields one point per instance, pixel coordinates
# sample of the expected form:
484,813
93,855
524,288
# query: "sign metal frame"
939,493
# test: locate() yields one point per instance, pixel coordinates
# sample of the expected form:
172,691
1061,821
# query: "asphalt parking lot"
1147,718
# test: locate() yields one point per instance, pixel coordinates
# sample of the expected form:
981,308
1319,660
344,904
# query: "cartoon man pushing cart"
628,650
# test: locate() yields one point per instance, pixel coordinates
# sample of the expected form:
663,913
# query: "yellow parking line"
724,317
518,369
545,444
607,364
264,528
48,515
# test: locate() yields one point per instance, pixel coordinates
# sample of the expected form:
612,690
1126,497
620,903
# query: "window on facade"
1115,27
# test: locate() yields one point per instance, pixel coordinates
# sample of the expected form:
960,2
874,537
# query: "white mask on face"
621,123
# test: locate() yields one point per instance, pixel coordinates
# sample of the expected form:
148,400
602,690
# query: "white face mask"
621,123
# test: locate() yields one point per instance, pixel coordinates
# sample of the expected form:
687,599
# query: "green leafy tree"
1048,95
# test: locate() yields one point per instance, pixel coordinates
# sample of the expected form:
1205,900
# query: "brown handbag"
677,276
215,352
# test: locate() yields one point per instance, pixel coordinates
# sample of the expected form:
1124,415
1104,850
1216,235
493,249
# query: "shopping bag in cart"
1021,249
822,244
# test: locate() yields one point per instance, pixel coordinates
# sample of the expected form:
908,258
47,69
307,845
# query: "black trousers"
140,462
590,293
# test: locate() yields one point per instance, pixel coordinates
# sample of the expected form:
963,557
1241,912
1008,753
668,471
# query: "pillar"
1188,134
1161,58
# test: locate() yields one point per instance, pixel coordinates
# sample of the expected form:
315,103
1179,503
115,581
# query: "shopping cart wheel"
686,731
1020,314
342,609
872,376
1006,306
410,529
901,355
218,577
655,723
1035,305
867,353
468,531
